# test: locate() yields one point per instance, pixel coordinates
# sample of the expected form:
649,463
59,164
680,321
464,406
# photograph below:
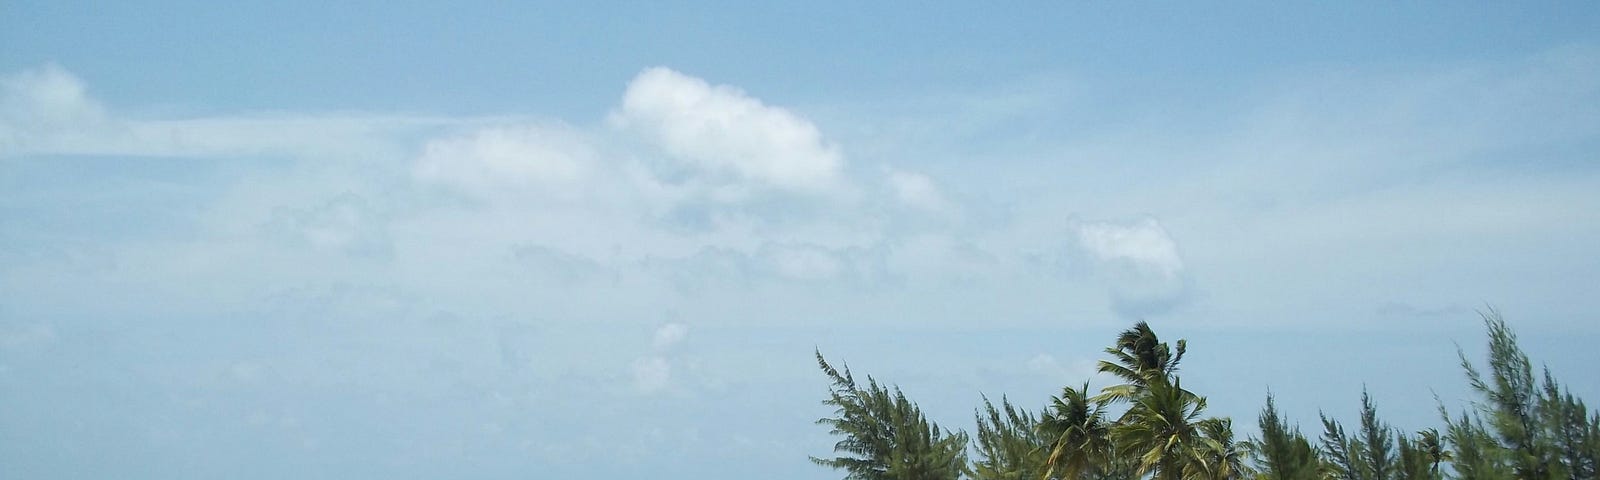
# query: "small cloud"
720,129
1048,366
1142,245
917,191
44,105
1140,261
651,374
1044,363
47,96
669,335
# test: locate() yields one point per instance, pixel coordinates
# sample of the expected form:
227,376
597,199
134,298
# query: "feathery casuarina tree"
886,437
1009,442
1282,452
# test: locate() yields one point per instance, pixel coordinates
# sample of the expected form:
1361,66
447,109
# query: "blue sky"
390,240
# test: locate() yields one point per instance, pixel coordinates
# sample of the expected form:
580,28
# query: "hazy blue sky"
453,240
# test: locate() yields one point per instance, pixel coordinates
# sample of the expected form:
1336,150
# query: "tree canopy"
1148,426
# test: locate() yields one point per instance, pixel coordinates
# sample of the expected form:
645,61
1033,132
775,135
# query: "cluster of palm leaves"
1161,433
1149,426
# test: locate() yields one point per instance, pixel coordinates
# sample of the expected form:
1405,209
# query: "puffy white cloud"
1139,261
42,106
1143,245
720,129
47,96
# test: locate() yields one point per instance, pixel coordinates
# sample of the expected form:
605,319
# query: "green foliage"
1530,430
1217,456
1510,400
1573,432
1473,451
1519,429
1010,444
1282,453
1160,430
1080,436
886,436
1140,358
1342,452
1377,446
1420,456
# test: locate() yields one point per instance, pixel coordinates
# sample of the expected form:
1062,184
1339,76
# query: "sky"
578,240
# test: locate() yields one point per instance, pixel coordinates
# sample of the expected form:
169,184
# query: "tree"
1573,431
1010,444
1370,456
1160,430
1080,436
1473,451
1419,456
1342,452
1141,358
886,436
1217,456
1282,453
1377,444
1519,428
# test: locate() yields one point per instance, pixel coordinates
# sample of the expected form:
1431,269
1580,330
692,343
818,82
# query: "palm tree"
1141,359
1161,430
1217,456
1080,436
1432,449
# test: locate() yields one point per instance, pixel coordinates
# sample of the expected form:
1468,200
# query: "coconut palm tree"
1140,359
1216,456
1080,436
1432,449
1161,430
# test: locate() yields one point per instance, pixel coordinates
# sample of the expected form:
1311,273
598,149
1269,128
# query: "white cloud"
917,191
524,157
45,97
651,374
669,335
44,105
720,129
1049,366
48,110
1143,245
1140,263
